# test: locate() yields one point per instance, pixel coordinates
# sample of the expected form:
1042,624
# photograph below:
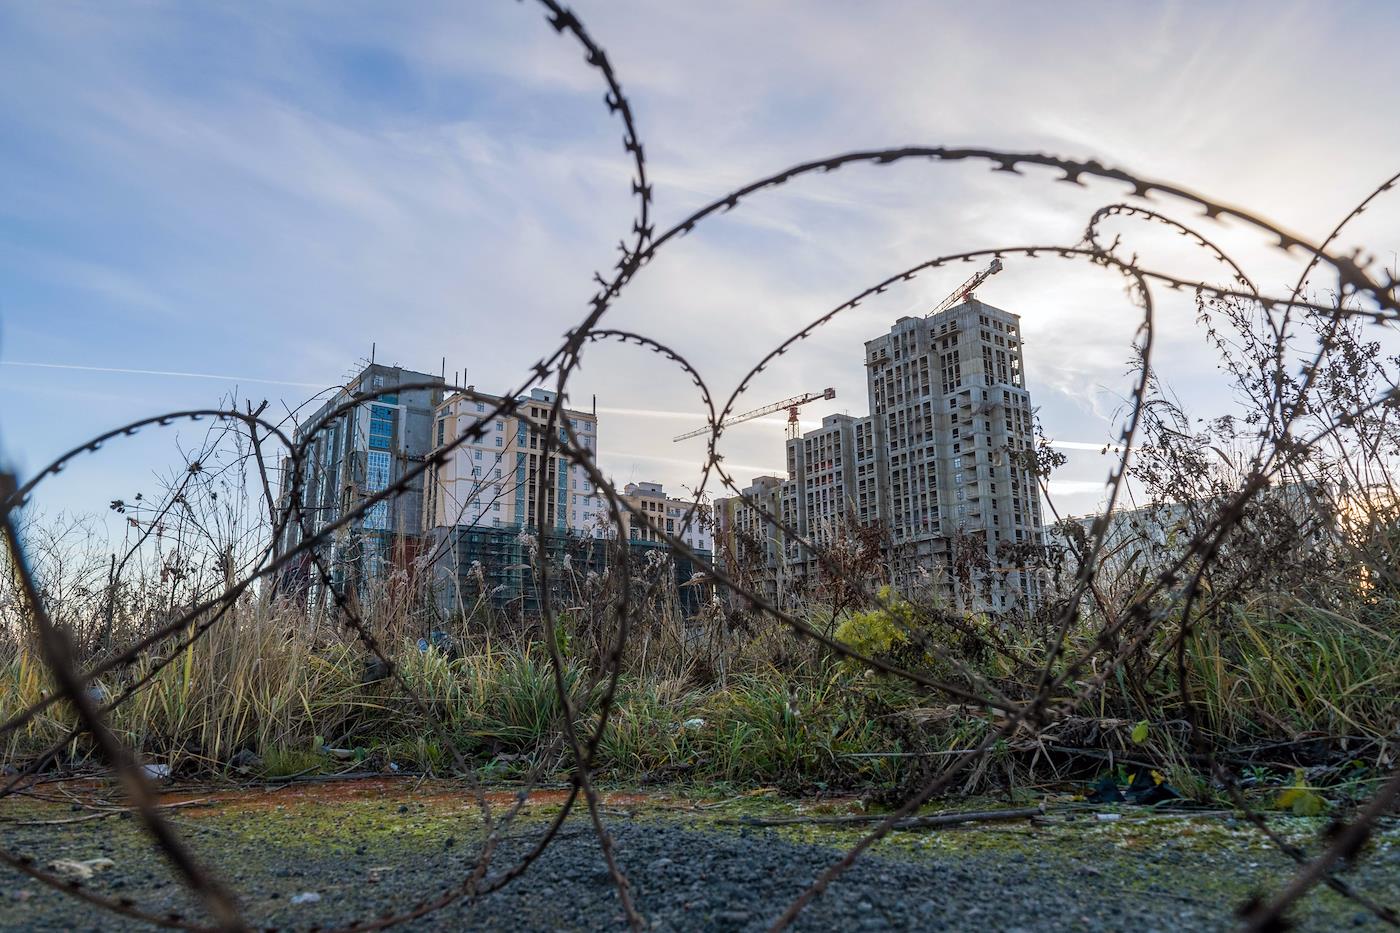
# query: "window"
376,471
381,427
477,454
376,479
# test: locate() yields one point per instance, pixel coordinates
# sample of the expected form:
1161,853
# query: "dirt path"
325,854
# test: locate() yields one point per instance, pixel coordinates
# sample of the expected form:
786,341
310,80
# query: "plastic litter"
74,870
438,640
1148,788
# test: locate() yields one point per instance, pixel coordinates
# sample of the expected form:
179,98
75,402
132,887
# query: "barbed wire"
1364,293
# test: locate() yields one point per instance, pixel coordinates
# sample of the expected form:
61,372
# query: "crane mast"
791,404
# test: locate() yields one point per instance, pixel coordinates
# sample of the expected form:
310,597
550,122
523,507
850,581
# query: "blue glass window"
381,427
377,478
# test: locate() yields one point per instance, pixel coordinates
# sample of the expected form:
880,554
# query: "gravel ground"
363,857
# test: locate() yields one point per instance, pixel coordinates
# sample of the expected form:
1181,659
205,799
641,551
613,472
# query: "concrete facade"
949,392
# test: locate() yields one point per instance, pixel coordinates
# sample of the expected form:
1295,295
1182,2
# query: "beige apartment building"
666,515
492,481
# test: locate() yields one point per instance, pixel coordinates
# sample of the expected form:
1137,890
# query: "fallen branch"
103,814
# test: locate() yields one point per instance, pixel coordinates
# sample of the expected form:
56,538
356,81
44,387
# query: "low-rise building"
681,518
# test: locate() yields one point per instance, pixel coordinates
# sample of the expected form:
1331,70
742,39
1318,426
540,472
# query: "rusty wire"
1369,294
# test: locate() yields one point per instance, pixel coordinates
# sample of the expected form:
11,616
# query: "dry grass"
266,681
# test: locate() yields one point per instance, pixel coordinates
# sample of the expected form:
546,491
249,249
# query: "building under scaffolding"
474,567
354,449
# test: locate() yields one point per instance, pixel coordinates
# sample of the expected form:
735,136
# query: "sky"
204,199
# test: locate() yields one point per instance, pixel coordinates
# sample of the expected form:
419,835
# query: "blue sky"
259,192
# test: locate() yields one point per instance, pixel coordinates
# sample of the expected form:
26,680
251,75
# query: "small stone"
305,897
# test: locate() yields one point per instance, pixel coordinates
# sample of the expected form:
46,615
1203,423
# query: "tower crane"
791,404
964,291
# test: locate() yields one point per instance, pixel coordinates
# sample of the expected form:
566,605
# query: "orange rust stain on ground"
398,790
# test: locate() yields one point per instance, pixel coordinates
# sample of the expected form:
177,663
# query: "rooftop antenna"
371,354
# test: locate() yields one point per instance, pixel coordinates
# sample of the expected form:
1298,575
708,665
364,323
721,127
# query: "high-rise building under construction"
939,466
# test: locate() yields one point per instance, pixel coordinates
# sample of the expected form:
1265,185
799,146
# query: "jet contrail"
624,412
677,461
651,413
161,372
1070,487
